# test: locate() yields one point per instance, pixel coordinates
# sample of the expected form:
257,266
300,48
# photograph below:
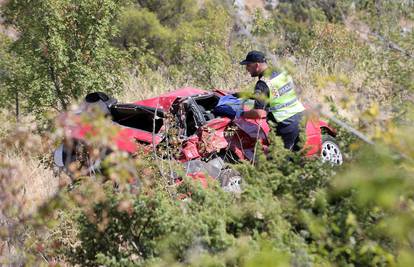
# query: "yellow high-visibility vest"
283,101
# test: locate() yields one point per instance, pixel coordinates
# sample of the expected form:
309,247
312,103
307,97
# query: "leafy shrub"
194,46
290,203
63,50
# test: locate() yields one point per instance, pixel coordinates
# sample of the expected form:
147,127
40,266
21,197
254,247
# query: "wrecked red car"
206,142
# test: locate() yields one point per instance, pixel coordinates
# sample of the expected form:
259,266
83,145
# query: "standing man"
275,98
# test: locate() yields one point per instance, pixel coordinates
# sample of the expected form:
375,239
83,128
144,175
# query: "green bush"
303,210
193,47
63,50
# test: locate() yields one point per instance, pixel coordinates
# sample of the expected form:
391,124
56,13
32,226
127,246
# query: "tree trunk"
17,105
58,90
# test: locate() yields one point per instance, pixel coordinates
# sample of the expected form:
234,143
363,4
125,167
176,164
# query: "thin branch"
53,75
169,154
393,46
143,228
17,105
160,166
255,145
58,90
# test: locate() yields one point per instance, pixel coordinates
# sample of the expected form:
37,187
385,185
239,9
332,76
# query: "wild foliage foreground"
352,57
293,211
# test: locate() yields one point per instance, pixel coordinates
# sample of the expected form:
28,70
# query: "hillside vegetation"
350,59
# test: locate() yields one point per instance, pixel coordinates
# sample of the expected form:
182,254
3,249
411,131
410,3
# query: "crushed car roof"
165,101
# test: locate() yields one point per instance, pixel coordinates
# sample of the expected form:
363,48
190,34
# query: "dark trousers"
289,131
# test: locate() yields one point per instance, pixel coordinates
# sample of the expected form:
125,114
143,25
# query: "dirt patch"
406,25
252,5
361,28
8,31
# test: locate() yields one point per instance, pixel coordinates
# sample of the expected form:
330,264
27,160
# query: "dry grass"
26,179
35,184
29,152
38,181
139,86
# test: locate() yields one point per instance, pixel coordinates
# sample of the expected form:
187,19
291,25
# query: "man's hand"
255,114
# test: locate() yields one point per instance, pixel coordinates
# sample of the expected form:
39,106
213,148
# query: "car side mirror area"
98,100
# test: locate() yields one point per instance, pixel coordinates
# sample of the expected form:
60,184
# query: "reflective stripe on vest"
280,106
288,87
284,102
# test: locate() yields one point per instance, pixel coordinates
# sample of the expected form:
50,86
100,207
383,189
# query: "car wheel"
230,181
330,151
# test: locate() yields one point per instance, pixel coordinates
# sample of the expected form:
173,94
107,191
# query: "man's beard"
254,74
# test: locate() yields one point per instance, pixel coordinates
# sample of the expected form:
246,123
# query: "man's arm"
261,93
254,114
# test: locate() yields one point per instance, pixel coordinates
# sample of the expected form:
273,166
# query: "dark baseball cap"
254,57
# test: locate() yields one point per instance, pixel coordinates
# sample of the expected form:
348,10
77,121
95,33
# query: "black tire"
330,151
